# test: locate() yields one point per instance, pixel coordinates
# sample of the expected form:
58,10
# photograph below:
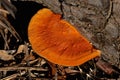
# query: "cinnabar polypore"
58,41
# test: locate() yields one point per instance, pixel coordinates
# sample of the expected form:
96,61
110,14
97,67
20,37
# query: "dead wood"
97,20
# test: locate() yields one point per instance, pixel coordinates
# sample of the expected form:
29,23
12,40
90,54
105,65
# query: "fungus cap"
58,41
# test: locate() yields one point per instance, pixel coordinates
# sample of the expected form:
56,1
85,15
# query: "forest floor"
18,61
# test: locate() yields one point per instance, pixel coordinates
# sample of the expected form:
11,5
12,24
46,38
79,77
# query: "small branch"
21,68
13,76
107,67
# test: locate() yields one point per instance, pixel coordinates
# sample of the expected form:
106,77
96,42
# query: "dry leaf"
20,48
5,56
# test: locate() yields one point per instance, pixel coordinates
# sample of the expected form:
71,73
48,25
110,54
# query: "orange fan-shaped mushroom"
58,41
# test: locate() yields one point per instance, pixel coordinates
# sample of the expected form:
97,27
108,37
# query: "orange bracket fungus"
58,41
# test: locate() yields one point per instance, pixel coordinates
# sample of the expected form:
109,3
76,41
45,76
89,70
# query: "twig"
13,76
21,68
4,11
104,66
6,25
6,44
